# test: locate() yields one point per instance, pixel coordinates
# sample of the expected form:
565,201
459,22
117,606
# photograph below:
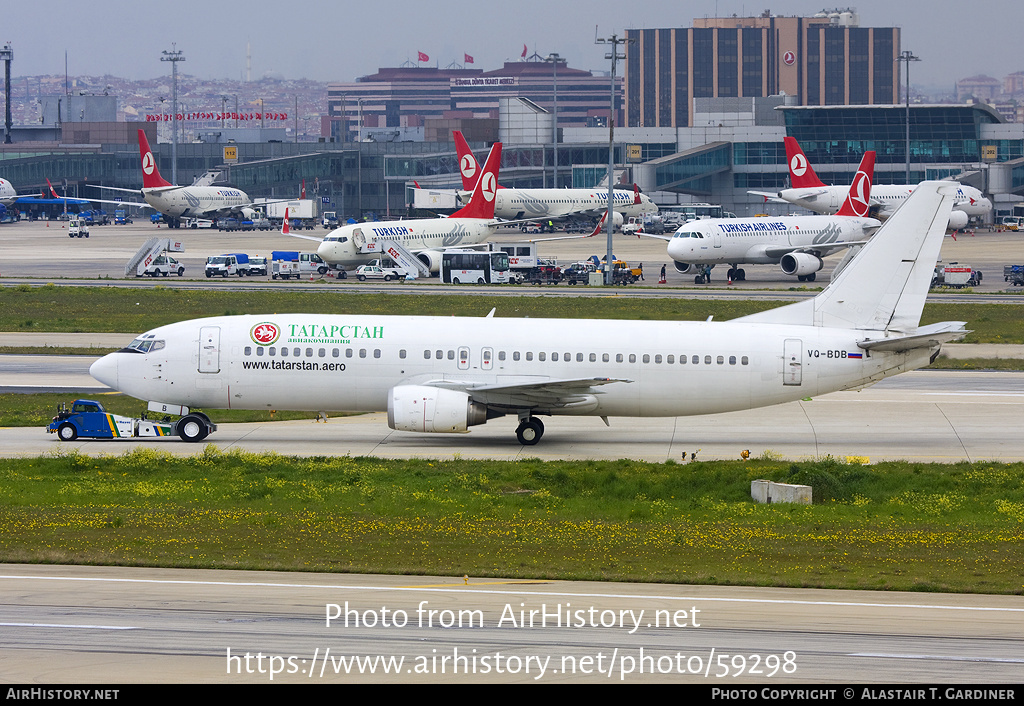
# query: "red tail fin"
636,195
150,174
53,193
858,201
481,205
303,191
468,166
801,174
285,230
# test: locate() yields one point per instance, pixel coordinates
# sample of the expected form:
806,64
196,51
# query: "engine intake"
800,263
432,409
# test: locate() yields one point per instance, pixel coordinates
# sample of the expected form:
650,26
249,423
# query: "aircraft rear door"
209,349
792,362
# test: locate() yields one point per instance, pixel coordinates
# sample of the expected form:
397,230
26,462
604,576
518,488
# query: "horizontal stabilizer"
925,337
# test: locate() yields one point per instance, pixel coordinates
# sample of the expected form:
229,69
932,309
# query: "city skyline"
953,43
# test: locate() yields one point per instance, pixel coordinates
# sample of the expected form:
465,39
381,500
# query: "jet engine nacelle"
432,259
800,263
958,220
432,409
249,213
683,267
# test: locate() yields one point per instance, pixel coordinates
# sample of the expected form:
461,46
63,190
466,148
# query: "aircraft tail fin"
53,193
636,195
150,174
481,204
885,286
801,173
468,166
285,229
858,201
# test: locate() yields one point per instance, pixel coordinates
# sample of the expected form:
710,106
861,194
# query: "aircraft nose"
105,370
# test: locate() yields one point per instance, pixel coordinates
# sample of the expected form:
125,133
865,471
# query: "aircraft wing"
769,197
653,235
533,391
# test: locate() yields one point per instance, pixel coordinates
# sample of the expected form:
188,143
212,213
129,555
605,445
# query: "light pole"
174,56
554,60
614,55
906,57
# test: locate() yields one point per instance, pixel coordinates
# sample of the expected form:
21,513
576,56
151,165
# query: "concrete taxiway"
117,625
940,416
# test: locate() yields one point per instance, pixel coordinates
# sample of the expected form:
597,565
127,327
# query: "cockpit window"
145,344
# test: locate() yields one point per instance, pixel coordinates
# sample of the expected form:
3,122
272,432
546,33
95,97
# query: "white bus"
460,266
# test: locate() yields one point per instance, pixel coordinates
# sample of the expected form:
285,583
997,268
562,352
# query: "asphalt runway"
37,251
118,625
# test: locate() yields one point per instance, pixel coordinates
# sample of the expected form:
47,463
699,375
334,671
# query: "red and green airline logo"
265,333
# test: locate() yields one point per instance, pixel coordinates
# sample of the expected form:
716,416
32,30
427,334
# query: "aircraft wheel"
741,275
801,278
811,277
192,428
731,274
699,279
67,432
530,431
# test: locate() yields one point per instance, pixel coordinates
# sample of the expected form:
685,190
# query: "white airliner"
445,374
544,204
177,202
796,243
8,195
358,243
811,193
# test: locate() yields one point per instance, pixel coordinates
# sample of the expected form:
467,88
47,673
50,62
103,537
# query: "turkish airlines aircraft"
796,243
446,374
518,204
811,193
358,243
177,202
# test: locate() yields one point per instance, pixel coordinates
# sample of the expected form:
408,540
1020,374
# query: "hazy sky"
338,41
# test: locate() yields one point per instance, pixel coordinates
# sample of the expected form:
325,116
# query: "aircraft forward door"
209,349
792,362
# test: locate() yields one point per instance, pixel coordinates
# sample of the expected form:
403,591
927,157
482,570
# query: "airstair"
151,250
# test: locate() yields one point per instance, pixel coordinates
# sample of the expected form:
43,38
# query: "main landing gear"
530,431
737,274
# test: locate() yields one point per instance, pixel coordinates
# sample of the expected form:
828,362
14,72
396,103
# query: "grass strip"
111,309
890,526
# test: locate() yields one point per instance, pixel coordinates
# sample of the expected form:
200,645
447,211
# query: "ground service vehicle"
257,266
956,275
77,229
198,223
88,419
374,271
330,220
292,263
121,218
460,266
163,265
1014,274
229,264
546,272
579,272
